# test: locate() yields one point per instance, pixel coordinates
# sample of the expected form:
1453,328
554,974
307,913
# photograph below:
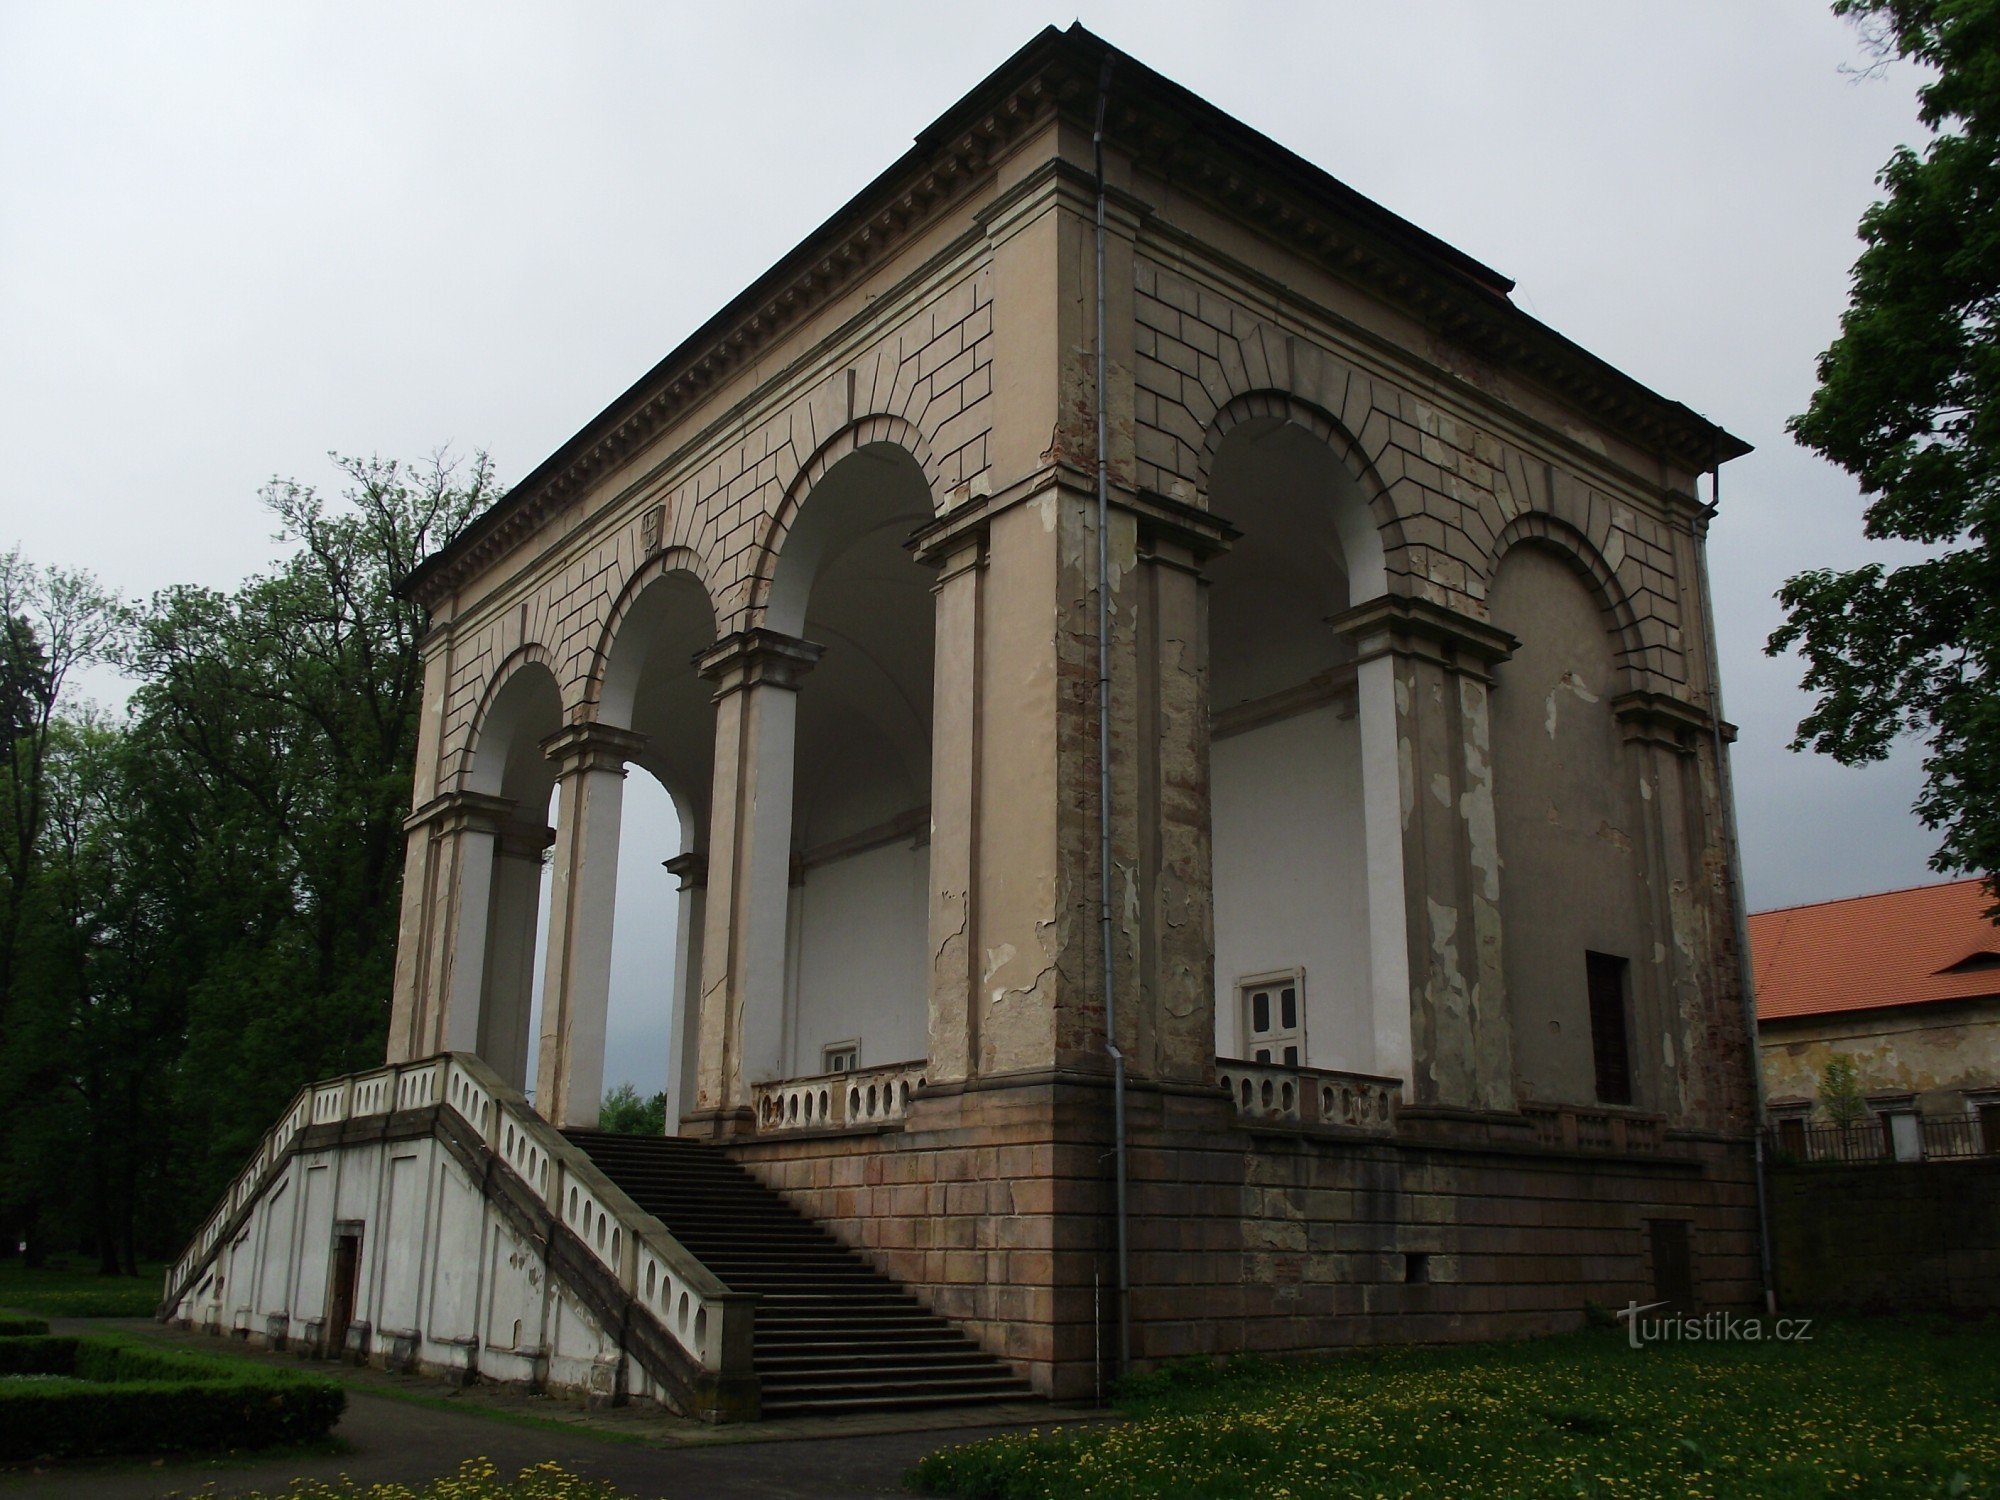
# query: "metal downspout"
1122,1290
1746,970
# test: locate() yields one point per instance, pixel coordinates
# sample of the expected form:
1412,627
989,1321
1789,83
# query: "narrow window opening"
841,1057
1417,1267
1610,1048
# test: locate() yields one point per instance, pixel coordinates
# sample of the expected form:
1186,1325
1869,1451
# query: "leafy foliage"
628,1114
1909,402
201,900
1840,1092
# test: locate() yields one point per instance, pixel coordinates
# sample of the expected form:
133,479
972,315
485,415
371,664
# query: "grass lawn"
70,1291
1865,1408
476,1479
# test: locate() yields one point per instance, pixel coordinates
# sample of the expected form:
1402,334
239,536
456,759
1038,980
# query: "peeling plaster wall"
1937,1052
861,971
1573,874
1291,879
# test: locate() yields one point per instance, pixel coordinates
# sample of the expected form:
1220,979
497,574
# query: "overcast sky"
235,237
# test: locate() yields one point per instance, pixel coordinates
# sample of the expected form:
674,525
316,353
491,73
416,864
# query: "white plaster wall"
436,1262
859,929
1291,878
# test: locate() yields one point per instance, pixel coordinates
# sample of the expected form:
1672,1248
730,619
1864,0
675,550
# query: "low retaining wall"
1888,1236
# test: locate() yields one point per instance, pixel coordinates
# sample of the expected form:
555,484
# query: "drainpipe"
1746,971
1122,1289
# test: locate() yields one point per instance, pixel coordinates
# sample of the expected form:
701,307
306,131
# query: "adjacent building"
1905,986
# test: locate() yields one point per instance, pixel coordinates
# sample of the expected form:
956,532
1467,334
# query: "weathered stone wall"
1937,1052
1890,1236
994,1206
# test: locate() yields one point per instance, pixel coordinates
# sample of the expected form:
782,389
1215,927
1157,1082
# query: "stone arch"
1557,536
481,773
1583,946
676,559
1309,946
882,430
1367,548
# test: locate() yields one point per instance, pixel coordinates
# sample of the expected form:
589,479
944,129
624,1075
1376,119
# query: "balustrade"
1287,1094
690,1305
835,1101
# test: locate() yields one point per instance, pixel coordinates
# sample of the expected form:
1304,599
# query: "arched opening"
857,919
1567,814
1294,968
508,764
650,686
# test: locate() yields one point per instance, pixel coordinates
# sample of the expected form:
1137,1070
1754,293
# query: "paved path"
390,1437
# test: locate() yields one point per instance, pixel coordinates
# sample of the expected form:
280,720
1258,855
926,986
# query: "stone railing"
709,1323
837,1101
1580,1128
1280,1094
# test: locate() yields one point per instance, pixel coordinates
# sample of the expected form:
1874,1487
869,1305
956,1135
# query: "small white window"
841,1057
1274,1017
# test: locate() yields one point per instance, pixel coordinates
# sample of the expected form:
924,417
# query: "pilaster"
1425,669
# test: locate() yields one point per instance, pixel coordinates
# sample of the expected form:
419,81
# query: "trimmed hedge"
12,1327
37,1354
142,1400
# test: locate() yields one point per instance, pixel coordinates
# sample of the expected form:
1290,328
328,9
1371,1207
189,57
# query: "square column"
684,1041
741,1029
576,989
414,996
506,994
1424,671
1172,1036
441,961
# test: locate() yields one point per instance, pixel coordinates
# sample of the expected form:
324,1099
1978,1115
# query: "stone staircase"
832,1333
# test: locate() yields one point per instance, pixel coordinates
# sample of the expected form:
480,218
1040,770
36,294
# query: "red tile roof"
1867,952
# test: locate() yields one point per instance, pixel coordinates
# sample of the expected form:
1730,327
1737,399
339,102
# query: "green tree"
52,622
628,1114
1840,1092
277,728
1909,402
88,1070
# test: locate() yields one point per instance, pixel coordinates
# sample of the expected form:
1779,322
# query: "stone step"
832,1333
822,1404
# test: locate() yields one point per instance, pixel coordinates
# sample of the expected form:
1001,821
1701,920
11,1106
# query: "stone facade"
830,573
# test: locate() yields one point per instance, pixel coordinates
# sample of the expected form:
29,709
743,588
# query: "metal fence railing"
1887,1138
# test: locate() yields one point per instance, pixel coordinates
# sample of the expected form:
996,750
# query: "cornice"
1206,153
1171,131
945,165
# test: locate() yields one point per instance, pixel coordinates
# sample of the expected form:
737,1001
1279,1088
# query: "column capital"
1165,521
1657,719
1395,625
690,869
591,746
758,657
454,812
